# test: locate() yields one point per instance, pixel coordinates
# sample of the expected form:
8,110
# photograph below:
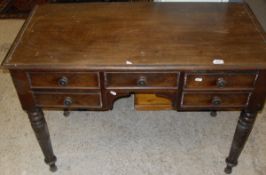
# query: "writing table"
200,56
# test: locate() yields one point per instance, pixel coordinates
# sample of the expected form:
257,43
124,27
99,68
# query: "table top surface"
140,35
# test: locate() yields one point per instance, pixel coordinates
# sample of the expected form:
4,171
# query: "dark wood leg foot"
53,168
229,166
243,129
213,113
40,128
66,113
228,170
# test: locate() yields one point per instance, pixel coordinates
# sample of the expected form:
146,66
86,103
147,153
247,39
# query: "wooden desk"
200,56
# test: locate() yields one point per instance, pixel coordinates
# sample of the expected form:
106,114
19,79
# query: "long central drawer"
141,80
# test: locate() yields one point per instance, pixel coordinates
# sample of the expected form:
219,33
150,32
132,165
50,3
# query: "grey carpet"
259,9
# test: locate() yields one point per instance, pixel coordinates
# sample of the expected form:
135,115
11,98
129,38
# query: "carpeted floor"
259,9
122,141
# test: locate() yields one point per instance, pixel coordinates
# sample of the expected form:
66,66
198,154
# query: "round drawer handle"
68,101
221,82
63,81
216,101
142,81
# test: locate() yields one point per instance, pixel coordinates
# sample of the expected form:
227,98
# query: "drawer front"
215,100
203,81
83,80
141,80
68,100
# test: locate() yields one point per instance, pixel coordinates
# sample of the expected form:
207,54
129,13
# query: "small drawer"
141,80
215,100
237,81
68,100
82,80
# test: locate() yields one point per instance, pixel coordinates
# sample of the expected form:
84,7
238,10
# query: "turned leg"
213,113
243,129
40,128
66,112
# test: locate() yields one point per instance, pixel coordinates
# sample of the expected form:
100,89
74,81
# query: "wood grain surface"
135,35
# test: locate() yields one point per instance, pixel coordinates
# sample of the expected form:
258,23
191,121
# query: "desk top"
139,35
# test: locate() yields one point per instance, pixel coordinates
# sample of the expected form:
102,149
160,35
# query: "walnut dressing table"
198,56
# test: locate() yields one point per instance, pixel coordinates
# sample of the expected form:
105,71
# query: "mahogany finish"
215,100
68,100
220,81
120,80
181,56
64,80
40,128
94,36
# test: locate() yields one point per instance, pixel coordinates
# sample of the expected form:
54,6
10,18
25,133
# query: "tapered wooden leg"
40,128
243,129
66,112
213,113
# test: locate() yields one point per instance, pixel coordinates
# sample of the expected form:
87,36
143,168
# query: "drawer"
68,100
141,80
201,81
62,80
202,99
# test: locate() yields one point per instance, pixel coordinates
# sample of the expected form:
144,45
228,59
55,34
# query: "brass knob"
68,101
142,81
220,82
216,101
63,81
